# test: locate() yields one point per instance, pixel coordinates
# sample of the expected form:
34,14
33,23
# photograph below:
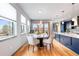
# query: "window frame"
13,21
23,24
9,36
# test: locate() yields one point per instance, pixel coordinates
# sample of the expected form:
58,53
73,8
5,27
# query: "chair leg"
44,46
28,47
33,48
50,46
47,46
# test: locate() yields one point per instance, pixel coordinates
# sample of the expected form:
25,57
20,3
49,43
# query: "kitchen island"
70,40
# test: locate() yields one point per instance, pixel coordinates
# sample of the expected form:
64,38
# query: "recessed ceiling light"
40,12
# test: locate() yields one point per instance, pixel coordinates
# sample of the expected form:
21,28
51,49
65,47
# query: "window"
39,26
28,25
8,25
23,24
23,28
35,27
6,10
45,27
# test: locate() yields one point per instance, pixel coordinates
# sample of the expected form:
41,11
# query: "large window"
45,27
28,26
39,26
8,25
35,27
23,24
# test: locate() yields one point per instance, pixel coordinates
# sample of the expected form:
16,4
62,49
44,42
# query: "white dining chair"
32,42
45,35
48,41
34,36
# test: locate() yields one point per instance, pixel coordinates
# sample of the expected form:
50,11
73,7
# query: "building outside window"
7,27
39,26
45,27
35,27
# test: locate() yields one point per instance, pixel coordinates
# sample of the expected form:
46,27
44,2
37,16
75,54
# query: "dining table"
41,38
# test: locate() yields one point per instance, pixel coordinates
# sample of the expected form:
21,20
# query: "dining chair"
48,41
32,42
45,36
34,36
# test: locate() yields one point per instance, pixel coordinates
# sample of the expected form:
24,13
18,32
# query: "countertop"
74,35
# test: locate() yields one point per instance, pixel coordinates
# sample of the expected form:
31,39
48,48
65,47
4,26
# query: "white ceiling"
49,10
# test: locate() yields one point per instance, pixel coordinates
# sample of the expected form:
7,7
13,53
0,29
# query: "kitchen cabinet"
65,40
70,42
75,43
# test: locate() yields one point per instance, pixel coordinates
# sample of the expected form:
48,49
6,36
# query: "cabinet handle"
71,40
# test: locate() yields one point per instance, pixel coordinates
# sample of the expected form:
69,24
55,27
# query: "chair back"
50,38
30,39
34,36
45,35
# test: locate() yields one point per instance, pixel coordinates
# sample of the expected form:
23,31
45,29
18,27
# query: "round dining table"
41,40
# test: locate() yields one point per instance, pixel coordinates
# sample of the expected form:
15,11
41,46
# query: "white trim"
6,37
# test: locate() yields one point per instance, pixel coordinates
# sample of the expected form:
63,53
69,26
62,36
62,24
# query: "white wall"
11,45
75,20
21,11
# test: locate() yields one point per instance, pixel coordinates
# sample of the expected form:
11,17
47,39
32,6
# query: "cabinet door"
75,43
62,39
65,40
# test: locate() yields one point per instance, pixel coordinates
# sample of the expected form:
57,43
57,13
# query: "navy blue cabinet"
62,39
65,40
70,42
75,43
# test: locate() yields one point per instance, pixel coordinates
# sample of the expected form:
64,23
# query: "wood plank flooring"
57,50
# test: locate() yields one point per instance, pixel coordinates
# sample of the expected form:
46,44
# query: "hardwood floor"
57,50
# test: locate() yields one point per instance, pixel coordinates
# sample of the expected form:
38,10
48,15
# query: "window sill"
22,33
2,38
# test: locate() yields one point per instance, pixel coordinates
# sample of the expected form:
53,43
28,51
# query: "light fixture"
73,19
62,22
39,11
